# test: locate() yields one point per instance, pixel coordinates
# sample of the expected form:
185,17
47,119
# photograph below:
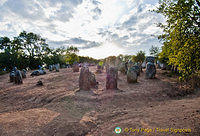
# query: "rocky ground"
57,108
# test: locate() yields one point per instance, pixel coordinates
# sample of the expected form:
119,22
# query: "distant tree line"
31,50
138,58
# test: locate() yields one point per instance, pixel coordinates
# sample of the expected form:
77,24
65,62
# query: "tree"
140,57
25,50
71,56
34,47
181,36
154,51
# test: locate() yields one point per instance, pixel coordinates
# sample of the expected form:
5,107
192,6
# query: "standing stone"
87,79
75,67
57,66
99,69
130,64
50,67
111,78
107,67
150,70
18,77
122,68
150,59
23,73
163,66
136,68
132,75
12,76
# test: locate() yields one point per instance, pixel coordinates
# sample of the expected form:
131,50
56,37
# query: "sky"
99,28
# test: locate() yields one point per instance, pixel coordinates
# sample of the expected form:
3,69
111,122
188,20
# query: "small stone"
39,83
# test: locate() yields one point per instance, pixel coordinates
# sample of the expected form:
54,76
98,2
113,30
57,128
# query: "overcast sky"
99,28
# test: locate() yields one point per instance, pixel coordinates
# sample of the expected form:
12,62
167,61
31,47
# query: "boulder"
42,72
18,77
111,78
38,72
87,79
75,67
35,73
132,75
150,70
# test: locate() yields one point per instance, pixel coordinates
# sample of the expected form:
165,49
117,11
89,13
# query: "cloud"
86,24
77,42
95,2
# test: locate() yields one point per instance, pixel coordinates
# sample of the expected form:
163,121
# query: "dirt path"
56,109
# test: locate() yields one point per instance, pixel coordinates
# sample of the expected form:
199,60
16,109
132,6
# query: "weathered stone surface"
38,72
99,69
150,59
23,73
130,64
137,69
39,83
35,73
150,70
57,67
87,79
111,78
12,76
18,77
132,75
42,72
107,67
75,67
123,68
50,67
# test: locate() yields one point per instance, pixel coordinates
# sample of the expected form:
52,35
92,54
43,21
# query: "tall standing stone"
86,79
130,64
23,73
57,66
50,67
150,70
18,77
111,78
136,69
75,67
122,68
12,76
132,75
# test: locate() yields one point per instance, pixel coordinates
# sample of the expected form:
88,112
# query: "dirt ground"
58,109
